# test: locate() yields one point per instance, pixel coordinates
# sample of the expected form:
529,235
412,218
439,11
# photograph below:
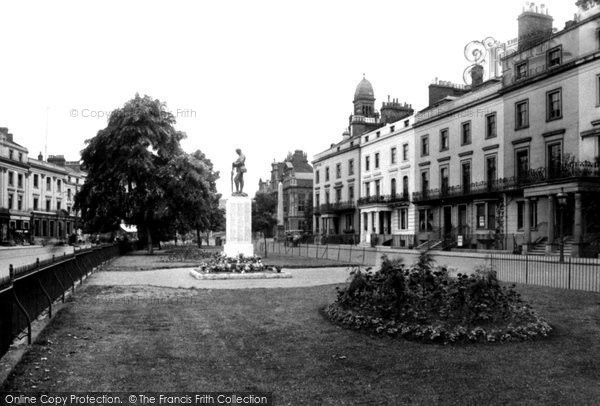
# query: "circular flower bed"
240,264
426,304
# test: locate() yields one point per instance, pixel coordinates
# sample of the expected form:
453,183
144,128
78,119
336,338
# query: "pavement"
25,255
181,278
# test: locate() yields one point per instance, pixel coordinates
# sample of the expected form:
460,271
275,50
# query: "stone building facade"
36,196
296,175
551,96
338,169
458,160
387,181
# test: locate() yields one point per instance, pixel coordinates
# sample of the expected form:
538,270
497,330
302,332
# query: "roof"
364,90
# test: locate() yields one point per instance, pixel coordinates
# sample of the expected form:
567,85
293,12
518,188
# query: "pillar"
551,219
377,230
577,227
527,224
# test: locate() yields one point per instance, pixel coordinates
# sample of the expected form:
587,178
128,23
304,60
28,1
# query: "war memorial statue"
240,168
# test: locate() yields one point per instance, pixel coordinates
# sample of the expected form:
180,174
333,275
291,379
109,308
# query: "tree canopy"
138,174
264,209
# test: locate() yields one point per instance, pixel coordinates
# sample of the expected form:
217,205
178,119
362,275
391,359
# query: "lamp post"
562,204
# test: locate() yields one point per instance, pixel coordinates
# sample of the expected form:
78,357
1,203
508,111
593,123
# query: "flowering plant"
239,264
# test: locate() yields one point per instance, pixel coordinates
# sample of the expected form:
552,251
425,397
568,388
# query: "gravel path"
181,278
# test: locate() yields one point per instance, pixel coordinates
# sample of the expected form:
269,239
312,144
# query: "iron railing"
385,199
564,171
32,289
335,206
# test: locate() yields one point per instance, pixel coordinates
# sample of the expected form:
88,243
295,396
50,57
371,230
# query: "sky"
265,76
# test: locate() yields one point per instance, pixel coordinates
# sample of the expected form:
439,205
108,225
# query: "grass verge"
136,338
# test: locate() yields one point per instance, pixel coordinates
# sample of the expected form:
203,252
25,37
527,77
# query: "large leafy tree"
133,165
194,194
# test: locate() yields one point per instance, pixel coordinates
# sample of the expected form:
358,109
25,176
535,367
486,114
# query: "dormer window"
521,70
392,128
10,154
367,138
554,57
20,157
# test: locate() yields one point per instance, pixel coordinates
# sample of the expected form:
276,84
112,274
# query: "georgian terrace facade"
336,186
458,161
387,181
36,196
551,94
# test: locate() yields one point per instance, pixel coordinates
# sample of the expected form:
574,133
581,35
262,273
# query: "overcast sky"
266,76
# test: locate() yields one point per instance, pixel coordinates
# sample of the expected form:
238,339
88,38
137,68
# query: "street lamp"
562,204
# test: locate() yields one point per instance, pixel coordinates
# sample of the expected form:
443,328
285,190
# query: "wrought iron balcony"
335,207
383,199
568,170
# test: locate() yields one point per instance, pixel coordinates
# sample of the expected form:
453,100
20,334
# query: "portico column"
551,218
577,227
377,230
527,224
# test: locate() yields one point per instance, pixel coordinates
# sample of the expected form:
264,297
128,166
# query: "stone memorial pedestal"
238,217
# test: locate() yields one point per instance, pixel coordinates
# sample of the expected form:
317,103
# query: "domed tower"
364,99
364,117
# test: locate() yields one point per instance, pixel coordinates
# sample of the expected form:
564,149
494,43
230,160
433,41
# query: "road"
19,256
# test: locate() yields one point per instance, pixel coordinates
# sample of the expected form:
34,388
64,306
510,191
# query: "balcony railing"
384,199
336,206
531,177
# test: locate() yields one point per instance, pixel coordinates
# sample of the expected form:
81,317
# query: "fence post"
569,283
350,254
47,297
62,287
363,260
339,249
526,269
26,316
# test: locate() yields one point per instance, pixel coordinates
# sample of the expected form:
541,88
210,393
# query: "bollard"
37,262
11,271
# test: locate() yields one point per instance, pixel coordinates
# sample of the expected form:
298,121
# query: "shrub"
240,264
424,302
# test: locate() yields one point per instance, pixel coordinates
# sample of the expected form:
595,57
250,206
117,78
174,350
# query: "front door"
462,219
447,220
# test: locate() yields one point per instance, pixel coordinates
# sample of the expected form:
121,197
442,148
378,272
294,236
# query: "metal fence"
351,254
29,290
573,273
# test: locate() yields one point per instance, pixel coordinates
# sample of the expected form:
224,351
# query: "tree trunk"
207,238
199,238
149,240
265,238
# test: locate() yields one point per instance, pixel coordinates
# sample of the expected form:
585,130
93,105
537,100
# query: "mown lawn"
144,338
141,261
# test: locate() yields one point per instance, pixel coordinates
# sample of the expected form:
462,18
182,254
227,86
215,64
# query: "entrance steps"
540,247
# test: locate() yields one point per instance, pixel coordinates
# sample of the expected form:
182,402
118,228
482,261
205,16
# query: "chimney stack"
40,156
476,76
535,26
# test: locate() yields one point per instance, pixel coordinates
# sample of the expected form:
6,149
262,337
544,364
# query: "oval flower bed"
239,264
426,304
